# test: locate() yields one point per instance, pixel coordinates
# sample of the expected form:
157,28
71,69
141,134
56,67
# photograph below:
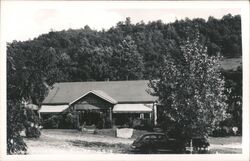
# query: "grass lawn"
225,140
55,141
226,145
231,64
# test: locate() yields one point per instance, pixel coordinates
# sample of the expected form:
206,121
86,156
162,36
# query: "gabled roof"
100,94
116,91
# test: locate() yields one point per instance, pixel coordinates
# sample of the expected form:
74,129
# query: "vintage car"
153,143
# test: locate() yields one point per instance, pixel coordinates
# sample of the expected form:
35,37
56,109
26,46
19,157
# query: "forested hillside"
124,52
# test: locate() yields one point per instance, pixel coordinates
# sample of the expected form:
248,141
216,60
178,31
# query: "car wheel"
151,151
181,150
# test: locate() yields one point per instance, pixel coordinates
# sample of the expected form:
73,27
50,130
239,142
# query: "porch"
87,115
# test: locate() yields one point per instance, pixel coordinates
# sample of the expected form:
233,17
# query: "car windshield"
161,137
141,137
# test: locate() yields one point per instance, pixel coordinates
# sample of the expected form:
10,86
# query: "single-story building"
116,101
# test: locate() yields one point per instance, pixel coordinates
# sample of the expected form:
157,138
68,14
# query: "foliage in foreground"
32,128
19,117
19,120
15,124
191,91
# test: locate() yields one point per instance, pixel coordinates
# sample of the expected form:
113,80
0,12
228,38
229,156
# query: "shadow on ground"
101,146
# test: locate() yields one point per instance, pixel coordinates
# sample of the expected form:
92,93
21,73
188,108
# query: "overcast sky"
26,20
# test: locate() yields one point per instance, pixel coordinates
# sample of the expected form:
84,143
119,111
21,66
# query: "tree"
126,62
15,124
21,85
191,91
233,90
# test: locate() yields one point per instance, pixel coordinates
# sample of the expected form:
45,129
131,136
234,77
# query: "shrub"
136,123
145,124
100,124
15,124
33,132
222,132
32,124
108,123
67,121
52,122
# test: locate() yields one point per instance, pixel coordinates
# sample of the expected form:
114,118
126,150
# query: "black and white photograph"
136,79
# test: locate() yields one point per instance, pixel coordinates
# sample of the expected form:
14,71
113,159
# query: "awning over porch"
53,108
131,108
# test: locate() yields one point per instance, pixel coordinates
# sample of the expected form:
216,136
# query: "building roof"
117,91
100,94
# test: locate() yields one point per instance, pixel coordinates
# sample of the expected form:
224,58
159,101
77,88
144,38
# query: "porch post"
110,116
155,113
39,115
78,120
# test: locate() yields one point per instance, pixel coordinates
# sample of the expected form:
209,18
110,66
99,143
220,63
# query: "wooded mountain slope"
124,52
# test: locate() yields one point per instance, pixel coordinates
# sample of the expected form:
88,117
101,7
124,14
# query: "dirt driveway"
74,142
